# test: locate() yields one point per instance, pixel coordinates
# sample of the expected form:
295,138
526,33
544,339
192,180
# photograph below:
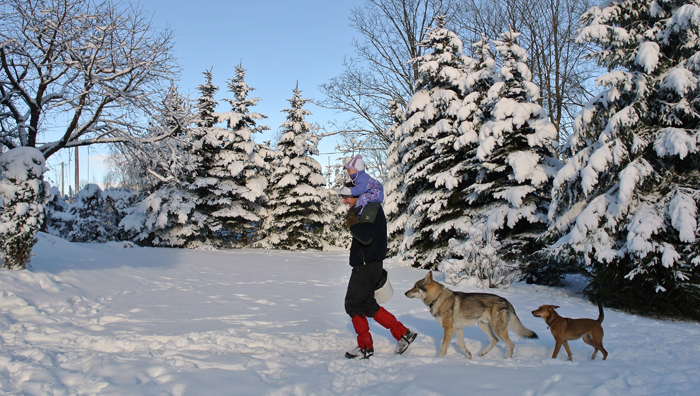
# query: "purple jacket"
367,188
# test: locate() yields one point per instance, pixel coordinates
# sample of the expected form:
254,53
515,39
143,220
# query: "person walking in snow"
367,188
367,252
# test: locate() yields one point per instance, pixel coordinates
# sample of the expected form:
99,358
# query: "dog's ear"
555,307
429,277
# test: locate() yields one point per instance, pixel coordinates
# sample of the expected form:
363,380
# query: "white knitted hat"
356,163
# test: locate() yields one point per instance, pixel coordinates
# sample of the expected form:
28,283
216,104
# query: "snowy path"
102,319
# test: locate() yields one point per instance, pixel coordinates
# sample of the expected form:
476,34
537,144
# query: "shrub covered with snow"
23,194
164,218
58,218
87,211
92,216
626,205
475,260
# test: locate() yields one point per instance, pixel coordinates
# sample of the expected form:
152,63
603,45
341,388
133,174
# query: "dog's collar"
549,322
430,306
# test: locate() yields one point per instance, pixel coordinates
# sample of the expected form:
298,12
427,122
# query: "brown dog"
565,329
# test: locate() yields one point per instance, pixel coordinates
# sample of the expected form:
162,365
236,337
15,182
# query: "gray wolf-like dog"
456,310
566,329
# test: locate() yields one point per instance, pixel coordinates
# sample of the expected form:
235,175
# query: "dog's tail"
516,325
601,316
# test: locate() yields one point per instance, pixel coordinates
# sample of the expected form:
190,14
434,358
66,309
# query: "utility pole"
77,171
62,181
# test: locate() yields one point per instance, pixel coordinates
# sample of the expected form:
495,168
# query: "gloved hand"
352,217
345,191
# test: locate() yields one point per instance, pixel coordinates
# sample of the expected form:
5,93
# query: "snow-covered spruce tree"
161,160
626,204
298,207
230,182
429,134
266,155
482,74
23,195
474,254
395,204
509,199
206,102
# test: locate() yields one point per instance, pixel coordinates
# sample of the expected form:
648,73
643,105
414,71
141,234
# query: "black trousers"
359,299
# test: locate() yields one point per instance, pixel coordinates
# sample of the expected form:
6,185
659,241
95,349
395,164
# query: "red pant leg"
386,319
361,326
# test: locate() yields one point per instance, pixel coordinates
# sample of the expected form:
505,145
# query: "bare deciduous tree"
146,166
98,64
390,34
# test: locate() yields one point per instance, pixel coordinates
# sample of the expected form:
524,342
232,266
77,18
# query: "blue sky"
279,42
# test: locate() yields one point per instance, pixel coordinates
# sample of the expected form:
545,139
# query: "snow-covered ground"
105,319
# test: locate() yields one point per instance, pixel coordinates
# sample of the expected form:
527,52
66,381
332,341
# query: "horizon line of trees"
213,186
